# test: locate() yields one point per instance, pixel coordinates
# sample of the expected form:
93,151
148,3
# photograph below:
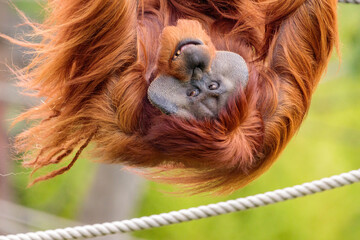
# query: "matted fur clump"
97,59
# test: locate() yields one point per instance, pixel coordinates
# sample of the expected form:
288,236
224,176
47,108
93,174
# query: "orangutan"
204,93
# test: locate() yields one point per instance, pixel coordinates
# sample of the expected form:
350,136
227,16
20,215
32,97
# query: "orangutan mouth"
182,45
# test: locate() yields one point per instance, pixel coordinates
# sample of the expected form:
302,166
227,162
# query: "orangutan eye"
178,52
214,86
193,92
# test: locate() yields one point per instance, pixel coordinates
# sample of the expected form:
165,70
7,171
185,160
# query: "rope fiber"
185,215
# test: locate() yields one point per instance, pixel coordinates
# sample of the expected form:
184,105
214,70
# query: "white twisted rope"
349,1
240,204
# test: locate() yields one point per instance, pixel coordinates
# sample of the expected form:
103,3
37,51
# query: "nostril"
214,85
202,63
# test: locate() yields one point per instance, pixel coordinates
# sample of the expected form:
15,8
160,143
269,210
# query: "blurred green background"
328,143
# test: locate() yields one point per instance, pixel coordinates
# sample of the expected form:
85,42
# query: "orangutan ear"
206,93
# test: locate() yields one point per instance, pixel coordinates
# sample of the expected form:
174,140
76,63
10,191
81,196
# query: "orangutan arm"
299,39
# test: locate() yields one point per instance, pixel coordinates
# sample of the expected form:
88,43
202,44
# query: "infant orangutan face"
194,80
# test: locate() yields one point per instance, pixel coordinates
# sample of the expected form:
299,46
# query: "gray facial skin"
206,93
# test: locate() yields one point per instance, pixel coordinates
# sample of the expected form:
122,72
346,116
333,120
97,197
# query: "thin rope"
349,1
185,215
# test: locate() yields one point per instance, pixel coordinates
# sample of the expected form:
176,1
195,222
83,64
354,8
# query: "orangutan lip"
184,44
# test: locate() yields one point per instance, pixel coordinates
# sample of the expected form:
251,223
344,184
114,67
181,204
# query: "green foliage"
61,196
350,37
327,143
32,9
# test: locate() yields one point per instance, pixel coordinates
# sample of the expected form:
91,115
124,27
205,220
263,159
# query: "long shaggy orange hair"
97,58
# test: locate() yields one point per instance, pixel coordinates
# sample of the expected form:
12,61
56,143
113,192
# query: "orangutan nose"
196,59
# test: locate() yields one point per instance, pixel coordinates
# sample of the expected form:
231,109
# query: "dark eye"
214,86
177,54
193,92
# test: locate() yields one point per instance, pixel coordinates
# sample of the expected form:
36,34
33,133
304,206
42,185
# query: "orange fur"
98,57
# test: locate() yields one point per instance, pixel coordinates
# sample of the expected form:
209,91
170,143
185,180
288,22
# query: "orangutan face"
195,81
